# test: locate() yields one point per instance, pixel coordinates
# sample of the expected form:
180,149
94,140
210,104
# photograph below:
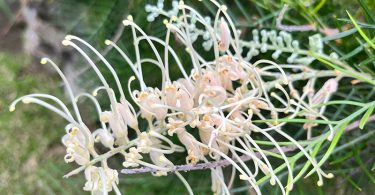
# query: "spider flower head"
226,99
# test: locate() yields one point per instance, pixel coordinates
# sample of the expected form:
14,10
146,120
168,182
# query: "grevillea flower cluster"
225,109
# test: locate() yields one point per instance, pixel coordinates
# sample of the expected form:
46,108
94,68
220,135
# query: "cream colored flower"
132,157
100,180
74,142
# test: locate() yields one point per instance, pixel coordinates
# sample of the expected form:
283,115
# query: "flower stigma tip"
244,177
65,42
12,108
224,8
43,61
68,37
108,42
126,22
272,181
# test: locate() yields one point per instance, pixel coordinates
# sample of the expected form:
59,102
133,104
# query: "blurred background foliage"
31,155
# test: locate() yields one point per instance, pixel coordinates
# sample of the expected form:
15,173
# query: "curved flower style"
224,109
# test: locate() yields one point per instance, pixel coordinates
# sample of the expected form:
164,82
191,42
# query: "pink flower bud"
127,115
225,36
216,94
184,100
159,159
104,137
194,153
170,95
225,80
329,87
120,130
149,102
188,86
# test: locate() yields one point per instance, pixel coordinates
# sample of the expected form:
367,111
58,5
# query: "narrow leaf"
355,185
354,74
368,15
366,116
340,35
319,6
363,166
332,146
361,32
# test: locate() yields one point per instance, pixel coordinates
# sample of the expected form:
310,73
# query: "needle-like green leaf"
364,36
366,116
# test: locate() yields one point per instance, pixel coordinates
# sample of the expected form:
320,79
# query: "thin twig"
291,28
301,28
